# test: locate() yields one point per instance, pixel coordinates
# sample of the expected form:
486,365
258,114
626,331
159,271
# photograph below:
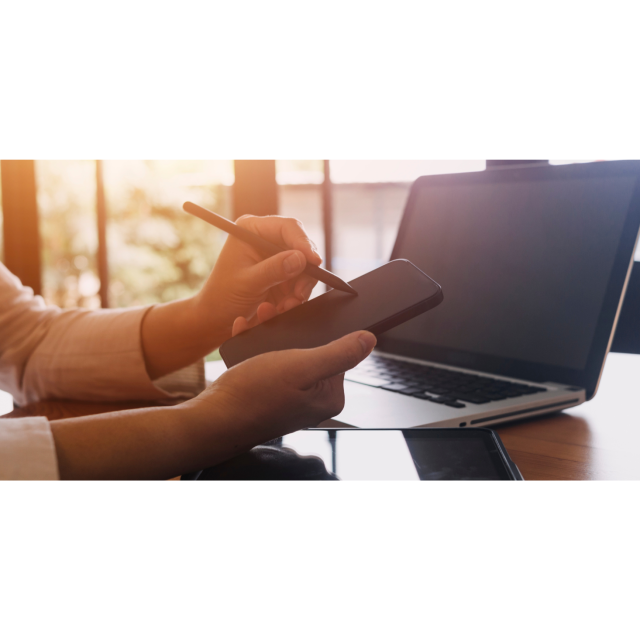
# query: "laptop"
534,263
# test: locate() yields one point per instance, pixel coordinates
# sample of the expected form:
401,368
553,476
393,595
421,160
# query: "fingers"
265,312
313,365
275,270
288,304
285,232
283,269
239,325
304,286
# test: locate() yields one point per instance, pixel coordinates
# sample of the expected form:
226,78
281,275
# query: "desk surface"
599,440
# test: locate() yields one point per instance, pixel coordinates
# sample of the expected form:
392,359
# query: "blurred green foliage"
156,252
66,202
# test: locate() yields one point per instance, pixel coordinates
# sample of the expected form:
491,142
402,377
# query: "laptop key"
472,399
398,377
449,402
397,387
438,400
409,391
423,395
437,385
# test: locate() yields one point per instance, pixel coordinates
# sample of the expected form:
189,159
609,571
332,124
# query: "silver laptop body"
534,263
372,407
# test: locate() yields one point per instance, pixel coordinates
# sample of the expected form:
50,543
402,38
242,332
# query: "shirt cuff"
97,356
27,450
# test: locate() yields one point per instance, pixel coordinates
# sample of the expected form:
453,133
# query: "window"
368,198
156,252
368,202
66,191
300,196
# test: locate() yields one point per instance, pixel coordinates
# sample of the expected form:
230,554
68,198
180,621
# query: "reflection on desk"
357,455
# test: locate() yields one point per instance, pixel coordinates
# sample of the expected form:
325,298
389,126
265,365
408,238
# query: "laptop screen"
524,263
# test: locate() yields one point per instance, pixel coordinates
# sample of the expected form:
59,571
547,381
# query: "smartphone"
387,297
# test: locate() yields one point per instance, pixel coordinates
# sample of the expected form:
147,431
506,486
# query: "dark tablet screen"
425,454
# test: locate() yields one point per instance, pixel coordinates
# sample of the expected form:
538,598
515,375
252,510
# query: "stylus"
265,247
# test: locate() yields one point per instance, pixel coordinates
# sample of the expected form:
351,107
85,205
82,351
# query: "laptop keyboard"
442,386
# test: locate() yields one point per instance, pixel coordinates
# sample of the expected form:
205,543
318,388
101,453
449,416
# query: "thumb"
332,359
276,269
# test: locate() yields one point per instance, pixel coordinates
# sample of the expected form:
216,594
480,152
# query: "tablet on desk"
411,454
376,454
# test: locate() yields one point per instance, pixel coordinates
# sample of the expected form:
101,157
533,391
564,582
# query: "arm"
263,398
116,354
46,352
24,323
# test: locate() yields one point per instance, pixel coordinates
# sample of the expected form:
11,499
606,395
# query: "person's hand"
246,288
277,393
242,288
254,402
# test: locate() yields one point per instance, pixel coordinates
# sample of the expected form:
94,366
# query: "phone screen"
388,296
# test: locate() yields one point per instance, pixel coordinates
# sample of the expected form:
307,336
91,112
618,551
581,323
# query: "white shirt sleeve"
27,450
47,353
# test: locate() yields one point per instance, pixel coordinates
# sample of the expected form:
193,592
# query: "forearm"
258,400
145,444
177,334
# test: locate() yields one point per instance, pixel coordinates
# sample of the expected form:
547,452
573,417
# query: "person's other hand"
246,287
280,392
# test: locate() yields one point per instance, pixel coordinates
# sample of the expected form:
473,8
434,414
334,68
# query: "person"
155,353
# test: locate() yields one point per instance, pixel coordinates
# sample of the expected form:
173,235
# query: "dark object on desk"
389,296
266,463
266,248
374,454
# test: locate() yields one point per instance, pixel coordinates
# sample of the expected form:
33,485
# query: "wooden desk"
599,440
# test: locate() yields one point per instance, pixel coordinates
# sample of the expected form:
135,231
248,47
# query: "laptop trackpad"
371,408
